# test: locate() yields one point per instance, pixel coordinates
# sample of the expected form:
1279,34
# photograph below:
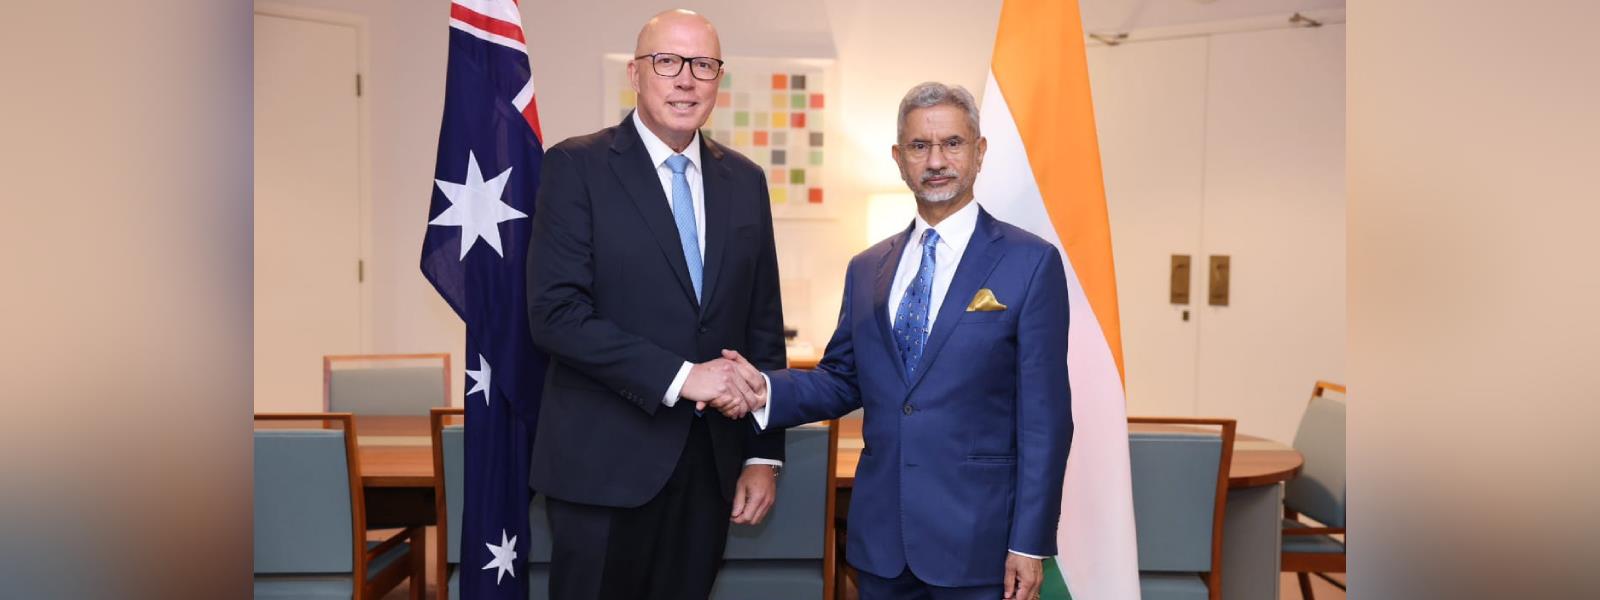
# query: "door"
1275,204
1227,145
1149,102
307,207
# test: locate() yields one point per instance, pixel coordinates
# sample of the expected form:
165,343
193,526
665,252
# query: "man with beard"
953,338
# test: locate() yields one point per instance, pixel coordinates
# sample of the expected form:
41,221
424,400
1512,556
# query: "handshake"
730,384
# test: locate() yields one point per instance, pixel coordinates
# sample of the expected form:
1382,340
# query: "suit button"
705,330
909,409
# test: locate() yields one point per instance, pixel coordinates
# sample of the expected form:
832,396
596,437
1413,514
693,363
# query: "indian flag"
1042,173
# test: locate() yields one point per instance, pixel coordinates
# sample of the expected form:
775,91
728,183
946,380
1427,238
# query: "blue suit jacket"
964,461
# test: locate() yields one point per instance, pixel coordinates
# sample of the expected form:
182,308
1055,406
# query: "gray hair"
933,93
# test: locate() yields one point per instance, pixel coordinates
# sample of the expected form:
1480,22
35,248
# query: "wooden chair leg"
1305,586
1336,583
419,563
847,589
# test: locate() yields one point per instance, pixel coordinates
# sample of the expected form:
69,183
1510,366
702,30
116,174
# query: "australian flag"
475,254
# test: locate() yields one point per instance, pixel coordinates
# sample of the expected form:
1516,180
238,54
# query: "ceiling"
1104,16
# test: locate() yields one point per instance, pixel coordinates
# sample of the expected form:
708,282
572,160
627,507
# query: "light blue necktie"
683,214
911,318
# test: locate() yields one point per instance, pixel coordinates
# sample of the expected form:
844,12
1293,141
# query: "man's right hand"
751,376
717,384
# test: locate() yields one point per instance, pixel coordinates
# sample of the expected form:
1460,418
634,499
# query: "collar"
660,152
955,230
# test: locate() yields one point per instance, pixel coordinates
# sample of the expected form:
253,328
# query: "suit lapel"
719,204
880,297
979,259
631,164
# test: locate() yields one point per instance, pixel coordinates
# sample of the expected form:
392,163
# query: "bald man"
652,252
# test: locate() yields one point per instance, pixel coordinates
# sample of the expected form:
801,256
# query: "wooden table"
396,452
1257,461
396,456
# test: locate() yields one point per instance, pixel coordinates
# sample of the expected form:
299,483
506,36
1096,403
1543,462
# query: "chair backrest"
385,384
1180,484
1319,491
306,483
795,527
448,463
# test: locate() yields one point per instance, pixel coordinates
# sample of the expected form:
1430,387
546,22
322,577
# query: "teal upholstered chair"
786,556
1318,492
1180,490
310,530
783,558
444,424
385,384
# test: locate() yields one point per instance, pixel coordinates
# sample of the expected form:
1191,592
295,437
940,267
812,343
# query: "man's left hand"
754,495
1023,575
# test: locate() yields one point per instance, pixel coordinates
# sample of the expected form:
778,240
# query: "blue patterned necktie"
683,214
911,318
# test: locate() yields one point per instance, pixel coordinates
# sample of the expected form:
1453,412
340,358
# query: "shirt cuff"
671,399
1026,554
760,414
762,461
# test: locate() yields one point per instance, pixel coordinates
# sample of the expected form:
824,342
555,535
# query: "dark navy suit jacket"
610,299
964,461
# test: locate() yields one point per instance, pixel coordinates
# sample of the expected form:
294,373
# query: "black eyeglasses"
667,64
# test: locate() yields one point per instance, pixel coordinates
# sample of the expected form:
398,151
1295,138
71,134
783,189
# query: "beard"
939,197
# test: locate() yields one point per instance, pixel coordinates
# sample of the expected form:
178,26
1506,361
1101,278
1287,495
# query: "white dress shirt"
659,153
955,232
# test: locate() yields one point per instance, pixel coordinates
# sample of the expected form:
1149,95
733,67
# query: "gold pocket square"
984,301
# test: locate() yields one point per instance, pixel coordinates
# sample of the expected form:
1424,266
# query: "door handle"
1220,272
1179,293
1180,282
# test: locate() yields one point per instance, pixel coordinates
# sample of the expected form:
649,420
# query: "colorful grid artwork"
771,111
